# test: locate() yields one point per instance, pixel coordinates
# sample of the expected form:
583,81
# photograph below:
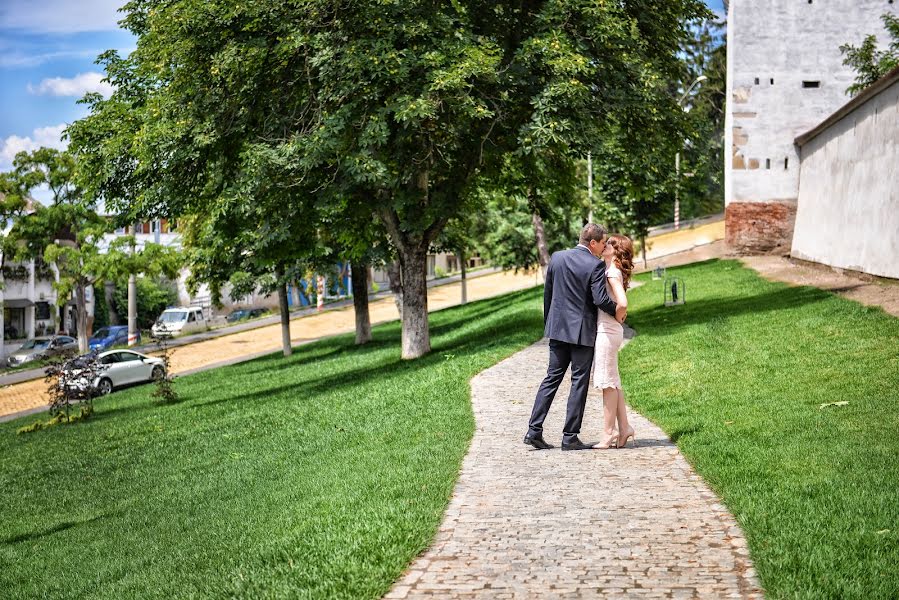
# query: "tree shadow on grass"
33,535
386,336
663,320
394,366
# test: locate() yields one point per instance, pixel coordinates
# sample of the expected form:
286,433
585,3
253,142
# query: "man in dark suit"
575,287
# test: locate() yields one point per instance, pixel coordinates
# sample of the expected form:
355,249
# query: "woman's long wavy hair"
624,255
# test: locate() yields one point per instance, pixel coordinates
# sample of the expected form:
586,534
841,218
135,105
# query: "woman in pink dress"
618,256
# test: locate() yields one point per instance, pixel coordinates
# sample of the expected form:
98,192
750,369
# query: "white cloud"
75,86
60,16
42,136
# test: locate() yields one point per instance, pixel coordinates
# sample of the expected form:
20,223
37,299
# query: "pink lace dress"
609,336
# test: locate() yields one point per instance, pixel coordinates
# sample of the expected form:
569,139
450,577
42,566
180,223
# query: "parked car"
41,348
119,368
179,321
245,313
107,337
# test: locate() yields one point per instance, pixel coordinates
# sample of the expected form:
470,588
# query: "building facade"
785,75
848,210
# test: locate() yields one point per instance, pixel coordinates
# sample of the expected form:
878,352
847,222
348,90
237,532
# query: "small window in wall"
756,80
42,311
767,163
786,163
772,81
811,84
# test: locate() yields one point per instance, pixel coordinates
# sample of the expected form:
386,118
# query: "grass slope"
736,377
321,475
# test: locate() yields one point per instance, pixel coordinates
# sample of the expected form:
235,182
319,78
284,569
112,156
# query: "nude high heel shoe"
630,434
610,441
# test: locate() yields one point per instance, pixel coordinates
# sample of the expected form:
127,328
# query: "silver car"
119,368
41,348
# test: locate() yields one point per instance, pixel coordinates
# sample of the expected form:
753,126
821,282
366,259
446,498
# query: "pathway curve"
589,524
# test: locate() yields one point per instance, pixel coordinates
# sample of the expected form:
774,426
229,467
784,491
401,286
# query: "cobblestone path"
636,522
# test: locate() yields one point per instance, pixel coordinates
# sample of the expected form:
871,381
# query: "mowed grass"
320,475
736,377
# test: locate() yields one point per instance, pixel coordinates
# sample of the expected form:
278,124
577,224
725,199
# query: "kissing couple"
584,306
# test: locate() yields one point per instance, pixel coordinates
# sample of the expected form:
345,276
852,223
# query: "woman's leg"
609,412
621,411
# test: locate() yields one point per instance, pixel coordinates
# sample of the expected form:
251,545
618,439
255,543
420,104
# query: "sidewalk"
218,350
38,373
635,522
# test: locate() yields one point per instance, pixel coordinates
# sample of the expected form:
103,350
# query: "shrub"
153,297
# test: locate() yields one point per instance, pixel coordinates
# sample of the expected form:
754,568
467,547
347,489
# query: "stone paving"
635,522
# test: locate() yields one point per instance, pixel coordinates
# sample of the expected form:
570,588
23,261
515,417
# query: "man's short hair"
591,231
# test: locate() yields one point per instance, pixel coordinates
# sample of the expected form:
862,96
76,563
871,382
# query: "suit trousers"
561,355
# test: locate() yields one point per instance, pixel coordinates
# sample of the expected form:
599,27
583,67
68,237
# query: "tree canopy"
408,101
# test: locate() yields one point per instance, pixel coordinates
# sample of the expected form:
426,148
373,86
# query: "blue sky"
47,53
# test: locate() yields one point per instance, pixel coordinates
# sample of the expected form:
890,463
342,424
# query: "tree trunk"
81,313
542,252
359,275
643,249
396,285
285,316
464,279
416,336
109,295
320,295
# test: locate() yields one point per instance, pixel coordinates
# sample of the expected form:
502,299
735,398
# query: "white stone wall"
848,213
787,41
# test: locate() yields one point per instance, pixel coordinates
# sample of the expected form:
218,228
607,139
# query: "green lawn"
322,475
736,377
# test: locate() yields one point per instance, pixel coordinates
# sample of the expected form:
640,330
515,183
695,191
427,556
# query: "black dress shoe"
576,445
537,442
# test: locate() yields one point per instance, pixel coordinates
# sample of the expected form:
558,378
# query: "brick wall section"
759,227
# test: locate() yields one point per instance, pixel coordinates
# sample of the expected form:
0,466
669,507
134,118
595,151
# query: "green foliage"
702,155
101,308
165,391
153,297
504,232
59,418
399,108
869,63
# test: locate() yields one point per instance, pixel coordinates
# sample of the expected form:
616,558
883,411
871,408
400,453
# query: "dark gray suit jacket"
575,287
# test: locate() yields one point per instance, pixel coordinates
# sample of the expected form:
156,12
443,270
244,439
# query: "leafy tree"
702,154
869,63
409,99
70,234
154,295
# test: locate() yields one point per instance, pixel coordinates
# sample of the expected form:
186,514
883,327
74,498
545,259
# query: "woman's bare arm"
619,296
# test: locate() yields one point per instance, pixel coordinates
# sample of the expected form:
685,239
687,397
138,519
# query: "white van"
179,321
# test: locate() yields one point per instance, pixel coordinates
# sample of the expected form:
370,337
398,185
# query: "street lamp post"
680,103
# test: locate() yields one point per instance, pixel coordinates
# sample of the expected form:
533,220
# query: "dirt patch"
864,289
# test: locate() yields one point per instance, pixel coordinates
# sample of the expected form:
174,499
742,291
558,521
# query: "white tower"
785,74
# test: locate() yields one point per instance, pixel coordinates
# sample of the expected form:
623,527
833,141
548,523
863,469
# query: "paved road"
23,398
635,522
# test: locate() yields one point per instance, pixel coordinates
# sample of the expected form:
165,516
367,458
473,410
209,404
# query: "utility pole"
132,296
